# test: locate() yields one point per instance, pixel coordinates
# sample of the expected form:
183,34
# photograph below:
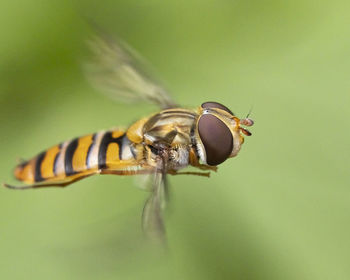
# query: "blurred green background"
280,210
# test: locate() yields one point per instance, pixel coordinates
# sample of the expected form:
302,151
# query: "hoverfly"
157,145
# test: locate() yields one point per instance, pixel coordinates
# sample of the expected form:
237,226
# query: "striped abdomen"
79,157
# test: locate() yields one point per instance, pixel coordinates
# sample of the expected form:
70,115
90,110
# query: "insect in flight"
161,144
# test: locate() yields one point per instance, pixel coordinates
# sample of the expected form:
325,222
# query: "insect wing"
152,216
119,72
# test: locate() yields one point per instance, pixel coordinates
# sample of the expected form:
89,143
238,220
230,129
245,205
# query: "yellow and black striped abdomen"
76,158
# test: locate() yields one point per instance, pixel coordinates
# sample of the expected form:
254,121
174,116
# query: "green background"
280,210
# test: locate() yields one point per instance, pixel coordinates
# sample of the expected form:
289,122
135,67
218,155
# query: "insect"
161,144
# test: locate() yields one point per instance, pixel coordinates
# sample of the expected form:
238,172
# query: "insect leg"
203,174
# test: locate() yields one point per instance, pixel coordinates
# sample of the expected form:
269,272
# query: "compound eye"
216,138
216,105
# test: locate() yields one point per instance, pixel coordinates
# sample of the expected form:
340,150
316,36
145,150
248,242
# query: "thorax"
165,134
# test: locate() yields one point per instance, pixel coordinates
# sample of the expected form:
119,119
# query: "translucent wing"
118,71
152,216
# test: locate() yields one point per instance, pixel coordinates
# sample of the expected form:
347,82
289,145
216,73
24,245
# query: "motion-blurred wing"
118,71
152,216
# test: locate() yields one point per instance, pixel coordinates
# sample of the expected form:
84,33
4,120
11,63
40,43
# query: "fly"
161,144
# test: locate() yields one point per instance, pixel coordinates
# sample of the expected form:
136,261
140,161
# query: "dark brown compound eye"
216,105
216,138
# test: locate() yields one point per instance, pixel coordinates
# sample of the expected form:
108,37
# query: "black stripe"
193,140
68,159
154,150
37,171
102,152
89,150
55,160
192,134
22,164
121,145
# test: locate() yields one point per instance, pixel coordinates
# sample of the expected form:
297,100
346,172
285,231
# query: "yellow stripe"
135,131
112,154
26,173
80,154
117,133
46,167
